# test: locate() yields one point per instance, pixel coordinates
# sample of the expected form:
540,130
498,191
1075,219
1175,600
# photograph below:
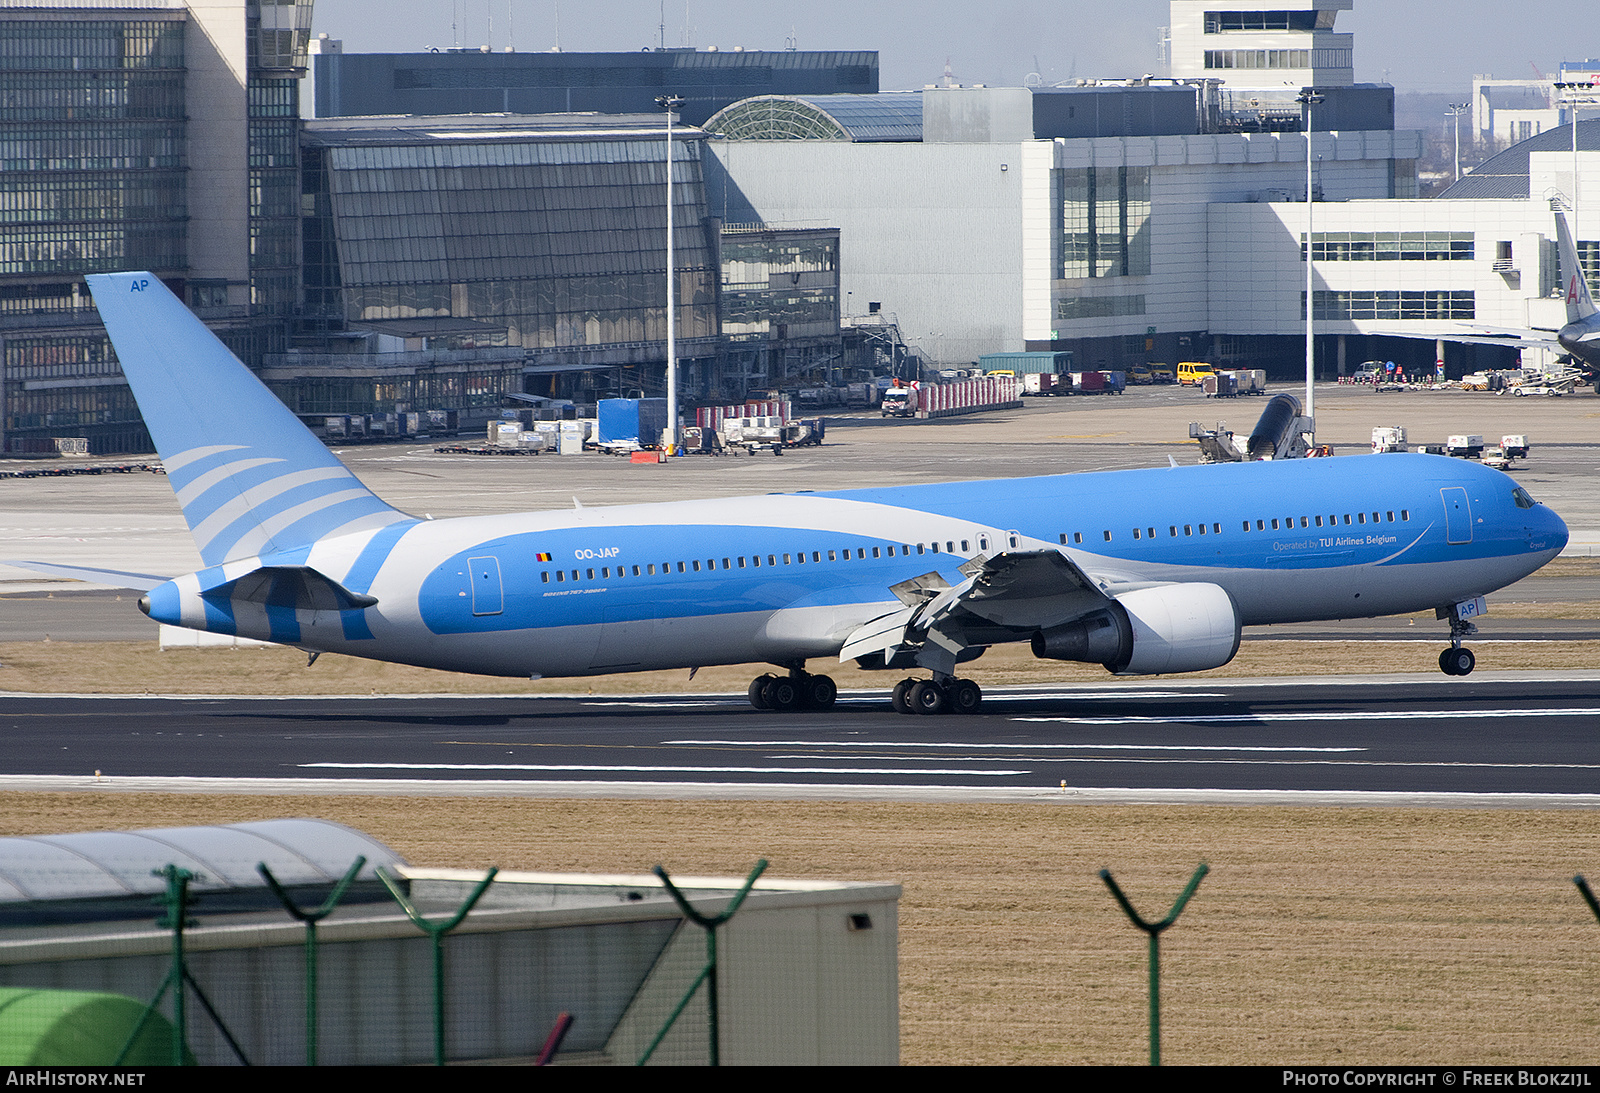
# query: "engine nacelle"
1172,628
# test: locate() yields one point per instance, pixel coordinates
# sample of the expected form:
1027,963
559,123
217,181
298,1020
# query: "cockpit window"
1522,498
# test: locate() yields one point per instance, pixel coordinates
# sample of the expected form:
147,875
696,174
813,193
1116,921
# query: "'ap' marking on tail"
249,477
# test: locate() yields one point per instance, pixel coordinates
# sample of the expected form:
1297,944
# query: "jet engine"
1274,434
1170,628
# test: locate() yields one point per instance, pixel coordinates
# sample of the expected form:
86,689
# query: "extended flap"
882,633
1022,590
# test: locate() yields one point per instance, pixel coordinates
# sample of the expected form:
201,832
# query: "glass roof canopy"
122,866
887,117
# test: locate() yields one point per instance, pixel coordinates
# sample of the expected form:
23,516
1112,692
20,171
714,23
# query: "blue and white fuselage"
1143,571
788,577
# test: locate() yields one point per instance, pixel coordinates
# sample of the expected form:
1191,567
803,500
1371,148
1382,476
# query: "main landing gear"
799,690
938,695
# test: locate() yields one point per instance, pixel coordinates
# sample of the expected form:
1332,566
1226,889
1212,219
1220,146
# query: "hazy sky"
1418,45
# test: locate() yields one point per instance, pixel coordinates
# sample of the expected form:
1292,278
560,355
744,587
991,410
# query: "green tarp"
78,1028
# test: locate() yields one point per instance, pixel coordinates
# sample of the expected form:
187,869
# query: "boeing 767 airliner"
1143,571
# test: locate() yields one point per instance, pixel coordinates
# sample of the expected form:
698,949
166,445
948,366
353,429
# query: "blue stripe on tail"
250,478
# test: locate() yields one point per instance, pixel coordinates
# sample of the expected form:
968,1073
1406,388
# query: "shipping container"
640,420
1021,364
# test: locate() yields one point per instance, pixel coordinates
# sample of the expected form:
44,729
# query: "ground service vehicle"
898,402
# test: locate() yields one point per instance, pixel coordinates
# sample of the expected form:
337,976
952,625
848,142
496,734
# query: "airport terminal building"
140,134
448,254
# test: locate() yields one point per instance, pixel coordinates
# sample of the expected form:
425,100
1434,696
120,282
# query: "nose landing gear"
1458,660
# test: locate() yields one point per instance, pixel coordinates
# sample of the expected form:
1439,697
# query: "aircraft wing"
1479,335
1005,597
116,578
1020,590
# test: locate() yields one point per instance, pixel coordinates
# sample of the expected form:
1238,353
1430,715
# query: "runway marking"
857,698
1357,715
632,769
1066,795
1004,747
665,704
1022,692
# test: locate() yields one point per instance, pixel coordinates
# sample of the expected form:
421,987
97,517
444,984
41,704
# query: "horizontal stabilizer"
116,578
294,587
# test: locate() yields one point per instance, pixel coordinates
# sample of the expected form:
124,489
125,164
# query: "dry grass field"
1328,936
140,668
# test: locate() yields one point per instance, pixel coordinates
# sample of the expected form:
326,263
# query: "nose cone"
1556,531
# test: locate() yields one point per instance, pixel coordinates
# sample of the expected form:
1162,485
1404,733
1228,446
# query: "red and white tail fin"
1580,305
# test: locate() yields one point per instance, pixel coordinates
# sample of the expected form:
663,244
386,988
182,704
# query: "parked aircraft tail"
251,479
1579,303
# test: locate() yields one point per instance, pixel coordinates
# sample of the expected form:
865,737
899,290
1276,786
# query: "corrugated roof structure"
1505,174
114,874
888,117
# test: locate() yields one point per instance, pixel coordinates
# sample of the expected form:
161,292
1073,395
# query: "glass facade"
1389,246
1224,22
95,177
780,283
65,385
1278,58
280,35
92,179
1099,307
92,149
1391,305
274,157
1104,222
561,241
1589,262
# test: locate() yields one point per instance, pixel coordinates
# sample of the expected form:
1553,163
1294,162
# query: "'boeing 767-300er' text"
1143,571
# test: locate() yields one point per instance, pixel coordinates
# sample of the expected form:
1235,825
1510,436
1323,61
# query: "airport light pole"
1455,110
1573,95
1308,98
670,103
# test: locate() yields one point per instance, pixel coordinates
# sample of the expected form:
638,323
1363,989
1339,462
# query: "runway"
1499,740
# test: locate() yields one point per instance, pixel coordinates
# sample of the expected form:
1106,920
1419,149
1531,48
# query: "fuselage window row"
1333,520
754,561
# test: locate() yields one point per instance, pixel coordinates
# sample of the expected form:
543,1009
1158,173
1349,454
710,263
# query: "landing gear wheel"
927,697
781,693
965,696
757,692
1457,661
900,697
820,692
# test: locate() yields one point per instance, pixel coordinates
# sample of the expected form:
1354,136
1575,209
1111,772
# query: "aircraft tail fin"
1580,305
250,478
